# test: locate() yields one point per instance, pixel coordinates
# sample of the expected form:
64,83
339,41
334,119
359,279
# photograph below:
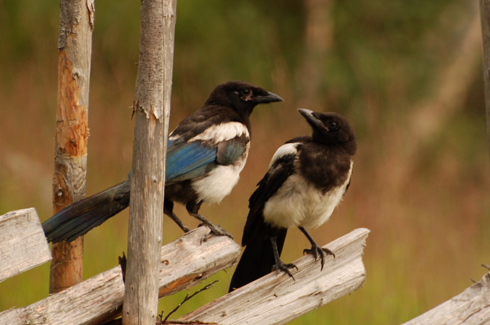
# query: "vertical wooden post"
74,63
485,29
152,109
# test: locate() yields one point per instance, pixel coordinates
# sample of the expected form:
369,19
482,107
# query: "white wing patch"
285,149
222,132
298,203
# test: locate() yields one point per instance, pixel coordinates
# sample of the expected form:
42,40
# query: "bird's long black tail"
80,217
258,258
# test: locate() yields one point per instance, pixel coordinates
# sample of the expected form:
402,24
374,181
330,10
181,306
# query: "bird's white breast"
299,203
221,180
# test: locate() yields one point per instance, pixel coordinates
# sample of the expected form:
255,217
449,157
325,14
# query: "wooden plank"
278,299
184,263
22,243
472,306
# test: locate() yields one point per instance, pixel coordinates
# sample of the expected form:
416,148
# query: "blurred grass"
427,208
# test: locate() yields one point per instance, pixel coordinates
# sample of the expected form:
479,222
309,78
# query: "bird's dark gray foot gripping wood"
279,264
215,230
315,249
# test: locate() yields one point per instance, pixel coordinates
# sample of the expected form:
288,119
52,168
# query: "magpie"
306,180
205,155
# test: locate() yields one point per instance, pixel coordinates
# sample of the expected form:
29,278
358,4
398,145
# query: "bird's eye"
332,125
246,91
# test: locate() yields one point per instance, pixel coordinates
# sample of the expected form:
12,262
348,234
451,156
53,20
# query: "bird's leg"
315,248
280,266
168,208
193,209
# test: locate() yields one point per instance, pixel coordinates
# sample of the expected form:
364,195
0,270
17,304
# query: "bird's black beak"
312,120
269,98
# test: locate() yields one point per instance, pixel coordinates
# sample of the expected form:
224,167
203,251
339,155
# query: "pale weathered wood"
152,109
471,307
184,263
278,299
22,243
74,64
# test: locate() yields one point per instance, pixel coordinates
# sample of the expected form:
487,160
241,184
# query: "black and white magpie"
306,180
205,155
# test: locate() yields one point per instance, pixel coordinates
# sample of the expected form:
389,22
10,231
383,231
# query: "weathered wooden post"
74,62
152,109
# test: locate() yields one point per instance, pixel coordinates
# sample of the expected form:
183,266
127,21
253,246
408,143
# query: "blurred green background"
407,74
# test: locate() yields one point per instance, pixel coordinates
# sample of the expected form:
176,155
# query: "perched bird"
306,180
205,155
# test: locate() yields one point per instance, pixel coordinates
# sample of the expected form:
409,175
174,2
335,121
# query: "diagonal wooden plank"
23,245
472,306
278,299
184,263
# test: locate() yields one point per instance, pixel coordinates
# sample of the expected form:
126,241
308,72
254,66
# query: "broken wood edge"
23,245
472,306
184,262
278,299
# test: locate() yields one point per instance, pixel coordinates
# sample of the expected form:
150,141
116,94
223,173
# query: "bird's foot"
318,251
280,266
215,231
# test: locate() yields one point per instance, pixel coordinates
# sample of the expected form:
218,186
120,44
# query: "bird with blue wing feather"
205,155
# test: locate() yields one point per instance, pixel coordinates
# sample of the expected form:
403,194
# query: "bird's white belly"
298,203
219,182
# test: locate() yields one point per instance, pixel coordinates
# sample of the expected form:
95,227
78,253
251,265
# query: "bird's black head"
241,96
331,128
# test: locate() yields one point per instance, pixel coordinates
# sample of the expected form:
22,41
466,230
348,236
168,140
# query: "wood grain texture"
278,299
74,66
23,245
184,263
152,110
471,307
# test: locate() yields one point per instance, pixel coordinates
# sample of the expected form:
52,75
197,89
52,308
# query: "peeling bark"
74,62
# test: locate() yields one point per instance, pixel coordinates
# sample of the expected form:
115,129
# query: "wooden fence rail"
273,299
471,307
184,263
23,245
278,299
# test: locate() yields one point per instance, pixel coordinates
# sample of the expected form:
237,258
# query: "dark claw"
317,250
215,231
280,266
